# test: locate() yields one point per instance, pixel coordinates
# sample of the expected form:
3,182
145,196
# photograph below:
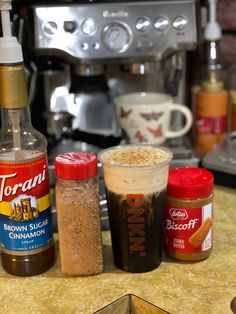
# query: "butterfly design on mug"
125,114
156,132
151,116
140,137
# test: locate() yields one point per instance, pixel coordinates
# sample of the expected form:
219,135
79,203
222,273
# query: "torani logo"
6,190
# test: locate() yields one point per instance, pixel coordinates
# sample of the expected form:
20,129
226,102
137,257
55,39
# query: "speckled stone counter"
202,287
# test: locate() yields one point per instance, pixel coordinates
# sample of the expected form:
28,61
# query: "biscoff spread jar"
189,214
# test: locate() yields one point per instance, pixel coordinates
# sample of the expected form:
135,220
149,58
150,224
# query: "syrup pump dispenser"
211,101
27,246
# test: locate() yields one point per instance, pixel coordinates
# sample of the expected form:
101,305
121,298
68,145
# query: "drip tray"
222,161
223,157
183,154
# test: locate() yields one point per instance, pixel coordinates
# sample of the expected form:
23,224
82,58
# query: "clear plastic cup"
135,178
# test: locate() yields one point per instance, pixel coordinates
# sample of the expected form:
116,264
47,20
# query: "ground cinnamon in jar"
77,202
189,214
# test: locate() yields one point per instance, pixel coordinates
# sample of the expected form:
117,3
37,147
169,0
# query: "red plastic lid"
76,166
190,183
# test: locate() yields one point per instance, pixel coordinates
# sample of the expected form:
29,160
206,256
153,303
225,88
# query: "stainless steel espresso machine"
87,52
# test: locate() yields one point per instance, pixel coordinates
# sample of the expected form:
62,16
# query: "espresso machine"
84,53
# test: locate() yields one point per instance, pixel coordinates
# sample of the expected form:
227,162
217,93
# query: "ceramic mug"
145,117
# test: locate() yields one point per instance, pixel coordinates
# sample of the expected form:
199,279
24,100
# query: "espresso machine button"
96,46
143,24
180,22
50,28
70,26
145,44
84,46
117,37
89,26
161,23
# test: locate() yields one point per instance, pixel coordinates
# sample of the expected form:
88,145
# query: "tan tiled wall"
226,13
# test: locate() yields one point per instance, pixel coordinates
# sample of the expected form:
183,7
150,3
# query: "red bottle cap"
190,183
76,166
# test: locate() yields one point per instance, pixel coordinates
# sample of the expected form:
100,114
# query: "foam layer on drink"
135,156
135,169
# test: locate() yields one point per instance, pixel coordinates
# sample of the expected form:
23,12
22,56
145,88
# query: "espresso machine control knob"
89,26
143,24
161,23
70,26
50,28
180,22
117,37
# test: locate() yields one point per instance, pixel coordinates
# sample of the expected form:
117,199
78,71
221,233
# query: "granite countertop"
201,287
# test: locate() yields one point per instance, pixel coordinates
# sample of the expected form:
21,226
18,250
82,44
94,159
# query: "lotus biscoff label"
25,214
189,229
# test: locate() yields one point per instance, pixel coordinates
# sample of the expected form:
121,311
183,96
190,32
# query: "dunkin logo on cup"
136,223
178,213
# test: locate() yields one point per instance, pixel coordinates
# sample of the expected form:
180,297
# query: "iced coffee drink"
135,179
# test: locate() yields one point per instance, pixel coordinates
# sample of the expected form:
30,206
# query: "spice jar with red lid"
189,214
78,213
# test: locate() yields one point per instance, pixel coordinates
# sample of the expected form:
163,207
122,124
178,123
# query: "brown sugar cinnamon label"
189,230
25,215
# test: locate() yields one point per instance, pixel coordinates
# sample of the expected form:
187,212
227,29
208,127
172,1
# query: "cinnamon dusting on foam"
136,156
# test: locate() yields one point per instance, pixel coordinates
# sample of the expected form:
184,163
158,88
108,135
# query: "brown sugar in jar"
77,202
189,214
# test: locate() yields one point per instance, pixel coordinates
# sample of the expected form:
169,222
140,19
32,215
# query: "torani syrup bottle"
27,246
211,114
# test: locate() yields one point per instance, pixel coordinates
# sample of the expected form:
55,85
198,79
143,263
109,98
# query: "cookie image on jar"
200,235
